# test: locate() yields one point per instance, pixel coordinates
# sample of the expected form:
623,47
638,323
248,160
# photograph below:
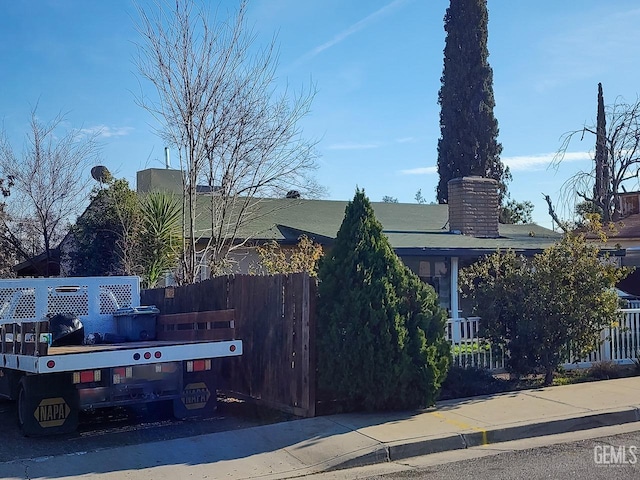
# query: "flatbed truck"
152,358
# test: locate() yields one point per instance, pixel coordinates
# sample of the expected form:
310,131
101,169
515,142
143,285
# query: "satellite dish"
293,194
101,174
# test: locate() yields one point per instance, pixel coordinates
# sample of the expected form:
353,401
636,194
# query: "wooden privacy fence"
274,316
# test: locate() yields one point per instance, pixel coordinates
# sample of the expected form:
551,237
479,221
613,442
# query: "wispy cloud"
542,161
356,27
518,163
406,140
104,131
420,171
353,146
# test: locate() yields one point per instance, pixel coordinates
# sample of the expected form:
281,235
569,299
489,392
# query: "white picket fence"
469,349
620,343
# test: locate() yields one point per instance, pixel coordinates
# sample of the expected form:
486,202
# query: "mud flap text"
52,412
196,395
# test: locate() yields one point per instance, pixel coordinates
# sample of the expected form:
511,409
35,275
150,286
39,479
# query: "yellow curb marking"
466,426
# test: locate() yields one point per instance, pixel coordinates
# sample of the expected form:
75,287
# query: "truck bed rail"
26,338
197,326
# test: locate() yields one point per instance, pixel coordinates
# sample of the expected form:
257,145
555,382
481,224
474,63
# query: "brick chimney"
474,207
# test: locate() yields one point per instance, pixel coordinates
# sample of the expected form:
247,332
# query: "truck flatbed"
103,347
165,357
88,357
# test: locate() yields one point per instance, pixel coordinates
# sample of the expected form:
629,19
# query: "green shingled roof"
408,226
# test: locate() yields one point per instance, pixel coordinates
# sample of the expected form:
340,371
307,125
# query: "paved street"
564,456
606,458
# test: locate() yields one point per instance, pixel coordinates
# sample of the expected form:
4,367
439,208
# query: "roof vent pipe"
167,159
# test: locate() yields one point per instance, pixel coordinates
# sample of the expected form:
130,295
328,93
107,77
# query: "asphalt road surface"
611,457
118,426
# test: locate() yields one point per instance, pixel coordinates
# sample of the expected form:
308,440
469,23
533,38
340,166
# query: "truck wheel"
22,405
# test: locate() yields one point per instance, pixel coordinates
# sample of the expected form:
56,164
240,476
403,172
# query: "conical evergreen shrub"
381,343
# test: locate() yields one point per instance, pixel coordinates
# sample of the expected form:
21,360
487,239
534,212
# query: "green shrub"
469,382
477,346
381,341
539,306
570,377
605,370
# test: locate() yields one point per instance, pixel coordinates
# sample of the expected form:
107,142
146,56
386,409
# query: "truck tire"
22,405
45,408
9,384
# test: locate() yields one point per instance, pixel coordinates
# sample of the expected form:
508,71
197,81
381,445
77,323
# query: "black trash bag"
66,329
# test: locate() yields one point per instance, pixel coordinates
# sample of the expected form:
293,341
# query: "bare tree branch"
552,213
50,184
620,144
235,132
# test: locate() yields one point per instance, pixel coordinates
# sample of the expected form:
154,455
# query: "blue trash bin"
137,324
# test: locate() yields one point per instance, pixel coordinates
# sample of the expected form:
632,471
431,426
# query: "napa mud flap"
47,405
198,397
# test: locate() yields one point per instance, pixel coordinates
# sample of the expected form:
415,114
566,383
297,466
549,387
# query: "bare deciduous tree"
49,183
616,158
8,253
218,105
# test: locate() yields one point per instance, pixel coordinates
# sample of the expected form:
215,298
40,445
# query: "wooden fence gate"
275,319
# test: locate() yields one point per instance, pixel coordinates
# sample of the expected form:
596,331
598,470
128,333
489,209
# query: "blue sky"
376,65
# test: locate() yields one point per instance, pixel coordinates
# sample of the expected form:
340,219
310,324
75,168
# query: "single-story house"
434,241
40,265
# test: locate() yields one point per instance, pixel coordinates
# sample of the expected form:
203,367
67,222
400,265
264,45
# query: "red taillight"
147,355
232,348
119,374
157,354
87,376
198,365
51,364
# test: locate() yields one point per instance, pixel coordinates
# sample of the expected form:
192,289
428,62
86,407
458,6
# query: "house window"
465,303
435,272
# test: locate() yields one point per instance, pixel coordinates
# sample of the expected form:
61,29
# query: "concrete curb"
391,452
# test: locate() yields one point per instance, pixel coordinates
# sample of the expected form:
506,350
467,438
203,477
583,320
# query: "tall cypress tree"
602,188
468,143
380,330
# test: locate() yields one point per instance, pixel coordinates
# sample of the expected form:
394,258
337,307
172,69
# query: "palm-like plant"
161,235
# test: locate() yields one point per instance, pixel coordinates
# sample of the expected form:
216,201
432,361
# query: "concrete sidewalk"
302,447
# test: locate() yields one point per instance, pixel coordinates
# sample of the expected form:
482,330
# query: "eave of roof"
406,225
